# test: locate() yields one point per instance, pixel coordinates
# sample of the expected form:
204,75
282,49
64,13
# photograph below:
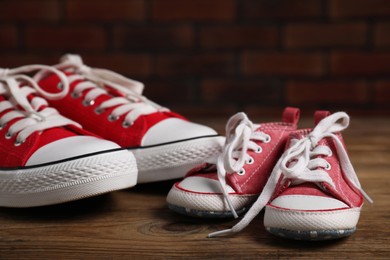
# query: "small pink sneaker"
46,158
165,144
313,192
229,185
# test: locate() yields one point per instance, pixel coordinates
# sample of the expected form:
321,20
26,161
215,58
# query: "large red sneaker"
230,185
46,158
165,144
313,192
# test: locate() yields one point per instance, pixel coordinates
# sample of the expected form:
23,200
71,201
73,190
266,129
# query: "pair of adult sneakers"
303,178
70,131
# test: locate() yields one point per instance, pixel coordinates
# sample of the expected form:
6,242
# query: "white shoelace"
133,104
18,87
299,164
240,136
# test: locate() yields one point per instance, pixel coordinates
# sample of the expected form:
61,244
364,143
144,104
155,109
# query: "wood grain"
136,224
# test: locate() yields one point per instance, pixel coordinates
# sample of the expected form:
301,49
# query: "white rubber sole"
69,180
207,205
311,225
174,160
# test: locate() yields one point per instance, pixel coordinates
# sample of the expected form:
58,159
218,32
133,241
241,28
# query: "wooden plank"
136,223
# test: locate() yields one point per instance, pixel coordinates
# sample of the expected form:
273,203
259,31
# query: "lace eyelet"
112,118
267,139
250,161
60,85
2,126
88,103
99,110
75,95
328,167
126,124
17,143
241,172
8,135
259,149
330,153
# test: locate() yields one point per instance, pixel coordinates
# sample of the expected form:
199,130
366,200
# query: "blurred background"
209,58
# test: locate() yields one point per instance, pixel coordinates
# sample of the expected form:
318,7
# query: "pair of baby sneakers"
70,131
303,178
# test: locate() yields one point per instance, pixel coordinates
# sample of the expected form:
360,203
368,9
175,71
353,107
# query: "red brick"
281,9
15,59
360,63
282,64
130,65
382,34
326,35
200,10
105,10
244,91
238,36
65,38
9,37
29,10
163,91
327,93
195,64
152,37
382,92
359,8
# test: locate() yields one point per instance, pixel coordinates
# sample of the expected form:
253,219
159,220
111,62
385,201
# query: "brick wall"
215,57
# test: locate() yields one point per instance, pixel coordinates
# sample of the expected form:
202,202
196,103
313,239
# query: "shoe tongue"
300,134
291,115
319,115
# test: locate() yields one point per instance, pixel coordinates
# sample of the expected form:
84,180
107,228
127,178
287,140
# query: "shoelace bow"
240,136
297,163
133,104
17,85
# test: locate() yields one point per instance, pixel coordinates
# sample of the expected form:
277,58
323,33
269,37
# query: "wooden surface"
136,224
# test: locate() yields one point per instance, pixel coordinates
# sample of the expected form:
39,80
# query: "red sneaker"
313,192
230,185
165,144
47,158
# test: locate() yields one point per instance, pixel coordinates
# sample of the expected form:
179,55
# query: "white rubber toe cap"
69,147
202,185
174,129
305,202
